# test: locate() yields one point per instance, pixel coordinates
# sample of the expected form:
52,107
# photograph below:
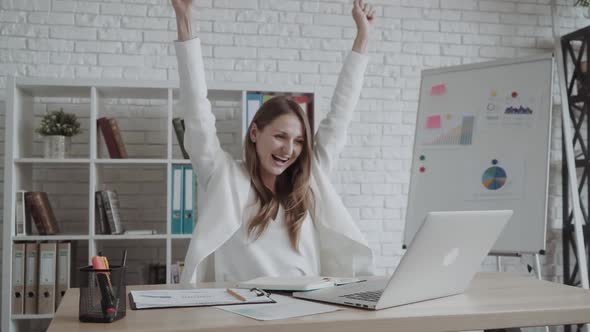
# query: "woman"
277,213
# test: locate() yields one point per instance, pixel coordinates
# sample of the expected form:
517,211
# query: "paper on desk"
192,297
285,307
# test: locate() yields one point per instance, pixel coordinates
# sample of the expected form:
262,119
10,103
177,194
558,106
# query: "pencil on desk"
234,294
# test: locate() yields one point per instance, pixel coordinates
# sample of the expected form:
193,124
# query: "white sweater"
243,258
224,184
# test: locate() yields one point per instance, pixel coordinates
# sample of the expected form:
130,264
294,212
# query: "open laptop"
442,259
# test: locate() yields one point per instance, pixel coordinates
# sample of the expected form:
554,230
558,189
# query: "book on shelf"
110,201
23,222
176,271
100,215
179,128
254,100
306,105
38,205
156,273
112,137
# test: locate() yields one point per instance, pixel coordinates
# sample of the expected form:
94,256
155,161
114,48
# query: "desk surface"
493,300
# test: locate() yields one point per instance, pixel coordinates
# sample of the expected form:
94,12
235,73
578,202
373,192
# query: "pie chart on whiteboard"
494,178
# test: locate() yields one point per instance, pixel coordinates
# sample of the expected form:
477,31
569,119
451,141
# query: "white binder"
18,278
64,257
47,262
32,277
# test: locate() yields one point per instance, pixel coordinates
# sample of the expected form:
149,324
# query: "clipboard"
195,297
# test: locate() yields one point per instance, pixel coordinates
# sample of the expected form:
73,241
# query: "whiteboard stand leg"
538,273
538,267
499,263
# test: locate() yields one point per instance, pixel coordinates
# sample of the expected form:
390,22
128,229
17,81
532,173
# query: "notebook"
299,284
200,297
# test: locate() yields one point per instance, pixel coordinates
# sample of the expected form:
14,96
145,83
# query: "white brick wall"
295,42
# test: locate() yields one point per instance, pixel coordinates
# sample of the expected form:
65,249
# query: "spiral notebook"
200,297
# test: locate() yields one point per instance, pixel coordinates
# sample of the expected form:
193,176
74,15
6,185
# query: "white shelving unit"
21,158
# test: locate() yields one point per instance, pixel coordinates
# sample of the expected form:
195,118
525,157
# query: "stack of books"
41,276
112,137
34,206
106,211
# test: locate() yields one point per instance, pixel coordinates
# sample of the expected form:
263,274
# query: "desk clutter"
41,276
102,291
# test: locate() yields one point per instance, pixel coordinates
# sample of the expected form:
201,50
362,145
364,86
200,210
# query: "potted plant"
57,129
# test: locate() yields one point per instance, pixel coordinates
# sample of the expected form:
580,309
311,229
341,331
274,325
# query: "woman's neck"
269,182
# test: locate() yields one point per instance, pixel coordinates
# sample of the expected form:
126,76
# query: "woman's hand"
182,8
364,17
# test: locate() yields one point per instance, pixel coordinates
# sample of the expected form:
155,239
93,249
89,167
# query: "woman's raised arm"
200,137
331,134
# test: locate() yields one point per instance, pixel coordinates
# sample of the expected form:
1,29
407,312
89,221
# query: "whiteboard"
482,142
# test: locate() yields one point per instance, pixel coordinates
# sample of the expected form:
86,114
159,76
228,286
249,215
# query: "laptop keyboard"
370,296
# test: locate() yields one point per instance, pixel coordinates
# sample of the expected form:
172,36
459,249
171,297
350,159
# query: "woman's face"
278,145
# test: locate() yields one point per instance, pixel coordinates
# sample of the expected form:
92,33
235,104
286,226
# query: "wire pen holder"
102,294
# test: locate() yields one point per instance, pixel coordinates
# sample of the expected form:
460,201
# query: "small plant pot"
57,146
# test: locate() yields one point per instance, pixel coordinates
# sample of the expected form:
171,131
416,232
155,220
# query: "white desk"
494,300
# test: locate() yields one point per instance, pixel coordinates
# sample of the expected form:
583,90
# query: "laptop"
442,259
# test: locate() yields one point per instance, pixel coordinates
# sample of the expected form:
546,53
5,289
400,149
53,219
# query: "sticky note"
433,122
438,90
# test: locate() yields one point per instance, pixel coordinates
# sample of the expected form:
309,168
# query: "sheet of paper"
285,307
192,297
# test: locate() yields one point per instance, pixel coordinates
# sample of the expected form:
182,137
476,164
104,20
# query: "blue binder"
253,103
189,210
177,199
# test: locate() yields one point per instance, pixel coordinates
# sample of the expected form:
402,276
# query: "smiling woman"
276,214
278,158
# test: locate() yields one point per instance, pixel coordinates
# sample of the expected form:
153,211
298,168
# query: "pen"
234,294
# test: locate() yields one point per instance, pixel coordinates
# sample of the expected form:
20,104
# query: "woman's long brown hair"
292,189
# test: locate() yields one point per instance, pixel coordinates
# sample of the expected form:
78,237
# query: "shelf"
130,237
181,161
33,316
181,236
51,161
60,237
130,161
143,110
